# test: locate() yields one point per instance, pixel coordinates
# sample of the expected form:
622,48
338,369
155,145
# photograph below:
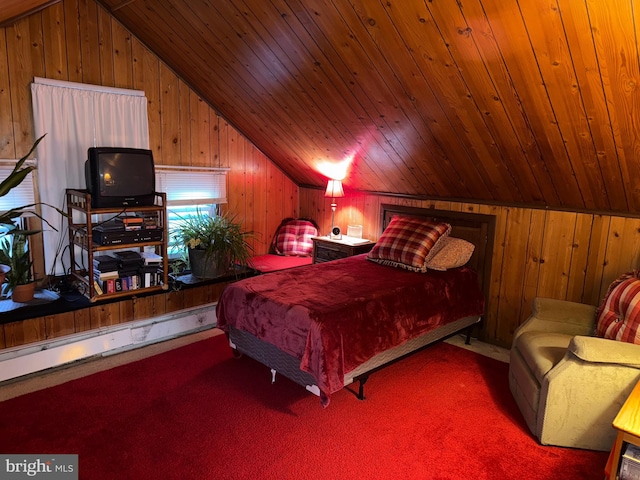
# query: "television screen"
120,177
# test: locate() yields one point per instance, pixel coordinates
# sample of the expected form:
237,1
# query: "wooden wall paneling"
617,53
352,213
23,332
169,153
2,341
361,48
476,96
55,53
469,37
105,315
21,74
512,275
449,98
371,221
596,259
59,325
490,317
622,250
576,21
439,204
214,138
555,258
174,300
89,42
305,204
273,177
146,77
250,178
105,50
274,71
215,290
196,296
343,64
223,135
82,319
122,56
73,46
533,256
579,258
544,23
7,143
200,154
264,214
237,175
290,194
126,312
513,41
185,124
144,307
16,9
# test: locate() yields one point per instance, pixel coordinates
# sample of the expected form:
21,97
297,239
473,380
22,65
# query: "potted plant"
14,243
14,252
214,244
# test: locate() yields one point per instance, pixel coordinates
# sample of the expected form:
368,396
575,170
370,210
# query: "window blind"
192,185
21,195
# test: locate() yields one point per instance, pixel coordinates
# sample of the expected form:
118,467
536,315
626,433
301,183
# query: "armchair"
568,384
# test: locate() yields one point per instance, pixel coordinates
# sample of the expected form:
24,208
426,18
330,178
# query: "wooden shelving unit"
83,218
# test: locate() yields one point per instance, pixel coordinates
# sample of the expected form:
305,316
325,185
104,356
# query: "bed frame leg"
468,339
362,381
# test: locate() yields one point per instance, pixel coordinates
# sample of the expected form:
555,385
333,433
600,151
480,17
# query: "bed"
330,324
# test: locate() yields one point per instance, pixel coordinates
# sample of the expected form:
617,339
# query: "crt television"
120,177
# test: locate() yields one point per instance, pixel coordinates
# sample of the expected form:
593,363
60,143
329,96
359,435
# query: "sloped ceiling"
514,101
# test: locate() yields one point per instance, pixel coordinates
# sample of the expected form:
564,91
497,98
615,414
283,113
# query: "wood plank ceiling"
511,101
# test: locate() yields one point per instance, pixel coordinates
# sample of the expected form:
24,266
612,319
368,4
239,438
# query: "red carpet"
197,413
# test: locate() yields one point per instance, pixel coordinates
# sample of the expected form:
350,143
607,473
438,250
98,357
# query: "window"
191,189
21,195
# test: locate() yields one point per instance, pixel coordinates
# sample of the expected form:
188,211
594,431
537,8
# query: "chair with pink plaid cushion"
572,365
291,246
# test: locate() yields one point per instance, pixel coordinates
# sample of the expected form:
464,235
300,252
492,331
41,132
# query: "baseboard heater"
27,359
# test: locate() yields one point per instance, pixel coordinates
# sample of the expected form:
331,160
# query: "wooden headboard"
476,228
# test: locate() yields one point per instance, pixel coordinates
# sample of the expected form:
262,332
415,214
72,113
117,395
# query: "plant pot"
203,267
4,269
23,293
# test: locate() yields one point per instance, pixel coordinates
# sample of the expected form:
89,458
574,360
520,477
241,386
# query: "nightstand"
627,422
326,249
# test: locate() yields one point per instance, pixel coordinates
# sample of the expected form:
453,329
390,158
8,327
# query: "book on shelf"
151,258
99,275
97,288
132,220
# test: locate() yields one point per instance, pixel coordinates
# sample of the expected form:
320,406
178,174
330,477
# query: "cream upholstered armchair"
568,384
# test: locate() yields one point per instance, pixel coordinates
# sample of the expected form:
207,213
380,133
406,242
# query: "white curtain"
75,117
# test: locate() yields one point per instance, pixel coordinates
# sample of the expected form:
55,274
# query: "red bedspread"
334,316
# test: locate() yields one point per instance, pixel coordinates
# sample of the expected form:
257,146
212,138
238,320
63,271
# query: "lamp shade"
334,189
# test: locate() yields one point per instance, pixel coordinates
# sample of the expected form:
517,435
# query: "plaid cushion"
294,238
618,317
409,243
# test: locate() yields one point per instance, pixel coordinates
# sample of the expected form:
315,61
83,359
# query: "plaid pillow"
294,238
618,317
409,243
